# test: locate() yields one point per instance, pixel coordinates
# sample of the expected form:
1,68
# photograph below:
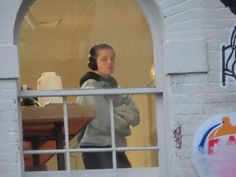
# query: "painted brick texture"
194,97
191,97
9,128
10,156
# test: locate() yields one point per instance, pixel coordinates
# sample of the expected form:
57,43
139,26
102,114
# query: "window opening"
68,149
135,53
58,40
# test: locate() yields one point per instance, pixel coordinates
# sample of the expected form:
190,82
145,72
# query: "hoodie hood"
111,81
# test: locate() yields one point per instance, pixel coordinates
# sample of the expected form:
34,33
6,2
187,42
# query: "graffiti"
231,4
178,137
229,58
214,147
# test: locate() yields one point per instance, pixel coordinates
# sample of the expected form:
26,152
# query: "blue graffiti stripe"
202,143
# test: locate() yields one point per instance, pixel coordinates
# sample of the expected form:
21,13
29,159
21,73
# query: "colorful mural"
214,147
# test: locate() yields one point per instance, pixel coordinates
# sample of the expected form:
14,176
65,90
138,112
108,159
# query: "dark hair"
93,53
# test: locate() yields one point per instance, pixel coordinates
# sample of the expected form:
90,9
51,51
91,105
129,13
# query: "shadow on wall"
231,4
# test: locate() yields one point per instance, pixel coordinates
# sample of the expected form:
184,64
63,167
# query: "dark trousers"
102,160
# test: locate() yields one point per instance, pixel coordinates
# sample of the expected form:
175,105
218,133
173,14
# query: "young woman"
98,133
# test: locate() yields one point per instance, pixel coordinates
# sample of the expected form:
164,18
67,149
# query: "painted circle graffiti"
214,147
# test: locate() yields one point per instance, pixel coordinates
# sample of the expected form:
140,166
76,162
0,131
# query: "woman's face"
106,62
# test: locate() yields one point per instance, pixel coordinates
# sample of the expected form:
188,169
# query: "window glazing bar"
113,144
51,151
68,168
141,148
91,150
120,149
57,151
90,92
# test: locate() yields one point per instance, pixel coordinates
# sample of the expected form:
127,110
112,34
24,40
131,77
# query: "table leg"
36,157
59,144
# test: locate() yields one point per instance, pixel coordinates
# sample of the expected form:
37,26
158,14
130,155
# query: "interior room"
56,36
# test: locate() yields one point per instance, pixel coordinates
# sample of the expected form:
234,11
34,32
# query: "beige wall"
145,133
59,38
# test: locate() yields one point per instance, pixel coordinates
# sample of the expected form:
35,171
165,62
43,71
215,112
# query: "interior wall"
145,133
59,39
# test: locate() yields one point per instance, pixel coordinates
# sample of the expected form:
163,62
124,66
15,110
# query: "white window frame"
67,150
154,18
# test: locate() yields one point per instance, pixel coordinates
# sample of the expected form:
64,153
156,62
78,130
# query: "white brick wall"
9,59
8,12
185,56
9,130
10,156
191,97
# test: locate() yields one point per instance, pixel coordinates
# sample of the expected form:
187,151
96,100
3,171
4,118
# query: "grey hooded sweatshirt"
126,114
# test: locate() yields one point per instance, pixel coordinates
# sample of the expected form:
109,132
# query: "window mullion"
113,137
114,149
161,128
68,168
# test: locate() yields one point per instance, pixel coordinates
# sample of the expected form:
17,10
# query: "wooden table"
44,124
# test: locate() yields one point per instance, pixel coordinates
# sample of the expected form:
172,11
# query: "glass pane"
143,158
44,162
91,160
56,162
43,129
43,126
92,122
144,133
103,160
89,123
76,161
135,124
59,40
134,116
98,160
